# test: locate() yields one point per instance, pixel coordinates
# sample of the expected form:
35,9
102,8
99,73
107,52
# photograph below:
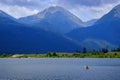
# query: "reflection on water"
59,69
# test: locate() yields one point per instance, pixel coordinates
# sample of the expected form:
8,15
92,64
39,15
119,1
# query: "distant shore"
64,55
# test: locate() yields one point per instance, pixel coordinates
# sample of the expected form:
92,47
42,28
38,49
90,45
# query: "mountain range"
55,29
20,38
55,19
106,29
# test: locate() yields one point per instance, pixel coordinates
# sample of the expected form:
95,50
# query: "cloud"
93,12
84,9
89,9
17,11
19,2
86,2
37,4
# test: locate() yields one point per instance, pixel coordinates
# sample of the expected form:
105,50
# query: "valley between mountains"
55,29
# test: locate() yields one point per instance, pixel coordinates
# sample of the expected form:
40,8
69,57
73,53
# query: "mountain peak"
50,10
3,14
7,17
113,15
1,11
117,11
117,7
55,19
54,9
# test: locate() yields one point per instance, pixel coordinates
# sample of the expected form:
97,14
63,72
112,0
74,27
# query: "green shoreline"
64,55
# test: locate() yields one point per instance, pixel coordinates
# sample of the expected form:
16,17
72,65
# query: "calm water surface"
59,69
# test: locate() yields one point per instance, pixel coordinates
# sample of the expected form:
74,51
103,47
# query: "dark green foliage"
118,49
115,54
104,50
84,50
4,55
77,51
66,55
50,54
54,54
76,54
95,53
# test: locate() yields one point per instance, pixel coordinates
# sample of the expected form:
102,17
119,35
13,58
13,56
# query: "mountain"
6,18
106,29
19,38
55,19
3,14
94,44
113,16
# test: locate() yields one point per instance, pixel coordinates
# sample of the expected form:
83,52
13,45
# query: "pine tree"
84,50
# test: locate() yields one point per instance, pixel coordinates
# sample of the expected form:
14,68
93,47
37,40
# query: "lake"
59,69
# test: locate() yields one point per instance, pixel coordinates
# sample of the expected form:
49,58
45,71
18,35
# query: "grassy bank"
64,55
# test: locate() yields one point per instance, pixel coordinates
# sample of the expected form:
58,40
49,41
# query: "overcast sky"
84,9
